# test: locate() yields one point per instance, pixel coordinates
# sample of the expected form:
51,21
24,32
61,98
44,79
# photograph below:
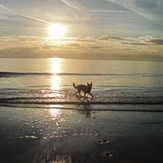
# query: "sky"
94,29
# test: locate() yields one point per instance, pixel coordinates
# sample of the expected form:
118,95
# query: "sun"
56,31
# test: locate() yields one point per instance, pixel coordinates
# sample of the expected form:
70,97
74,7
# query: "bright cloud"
140,48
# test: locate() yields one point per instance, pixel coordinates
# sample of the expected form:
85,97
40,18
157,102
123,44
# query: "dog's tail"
74,85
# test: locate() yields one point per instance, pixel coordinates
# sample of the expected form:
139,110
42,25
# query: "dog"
84,88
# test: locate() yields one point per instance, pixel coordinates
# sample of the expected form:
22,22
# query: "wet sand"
80,136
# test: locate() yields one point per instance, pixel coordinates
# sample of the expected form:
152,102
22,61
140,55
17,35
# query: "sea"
48,83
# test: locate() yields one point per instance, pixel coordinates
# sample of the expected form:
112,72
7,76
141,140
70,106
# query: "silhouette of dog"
83,88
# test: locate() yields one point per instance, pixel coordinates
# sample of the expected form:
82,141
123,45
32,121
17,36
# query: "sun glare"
56,31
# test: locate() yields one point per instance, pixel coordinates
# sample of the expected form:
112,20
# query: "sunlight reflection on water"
55,68
55,82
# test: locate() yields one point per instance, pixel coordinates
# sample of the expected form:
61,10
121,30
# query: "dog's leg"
79,91
91,95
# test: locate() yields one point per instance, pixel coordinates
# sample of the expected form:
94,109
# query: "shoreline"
91,107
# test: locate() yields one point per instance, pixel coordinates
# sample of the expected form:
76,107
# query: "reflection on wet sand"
57,144
68,136
55,113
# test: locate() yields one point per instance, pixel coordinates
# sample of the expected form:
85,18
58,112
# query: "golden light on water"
55,82
55,65
55,68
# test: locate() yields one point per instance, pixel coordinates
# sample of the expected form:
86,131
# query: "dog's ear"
87,83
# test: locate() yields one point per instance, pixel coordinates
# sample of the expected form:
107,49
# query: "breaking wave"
14,74
66,99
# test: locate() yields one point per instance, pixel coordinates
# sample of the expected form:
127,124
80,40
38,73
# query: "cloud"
149,9
84,39
74,4
22,15
157,41
143,40
111,38
18,52
106,11
109,47
134,43
152,40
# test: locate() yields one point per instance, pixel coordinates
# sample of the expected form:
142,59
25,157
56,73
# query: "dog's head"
89,85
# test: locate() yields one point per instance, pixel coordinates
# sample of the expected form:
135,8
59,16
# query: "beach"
55,135
42,120
81,81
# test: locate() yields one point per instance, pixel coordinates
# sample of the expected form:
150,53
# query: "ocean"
47,83
42,120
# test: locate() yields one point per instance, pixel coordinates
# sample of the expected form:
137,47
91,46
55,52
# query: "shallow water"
47,83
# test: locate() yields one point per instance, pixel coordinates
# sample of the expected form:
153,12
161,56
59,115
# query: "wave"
84,106
51,100
11,74
66,99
